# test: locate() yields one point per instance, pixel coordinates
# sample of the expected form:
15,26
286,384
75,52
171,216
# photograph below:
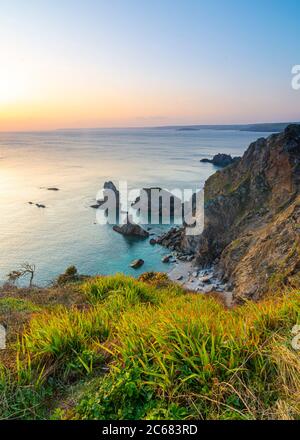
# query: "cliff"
252,218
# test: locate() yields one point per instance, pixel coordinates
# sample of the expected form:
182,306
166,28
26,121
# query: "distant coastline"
275,127
266,127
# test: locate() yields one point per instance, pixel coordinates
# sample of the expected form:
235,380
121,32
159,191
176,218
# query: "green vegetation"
146,349
70,275
8,305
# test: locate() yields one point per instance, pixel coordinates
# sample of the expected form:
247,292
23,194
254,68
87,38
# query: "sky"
117,63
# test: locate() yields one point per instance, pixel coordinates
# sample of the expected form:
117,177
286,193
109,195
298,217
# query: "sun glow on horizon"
98,64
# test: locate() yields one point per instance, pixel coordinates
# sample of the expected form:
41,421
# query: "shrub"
70,276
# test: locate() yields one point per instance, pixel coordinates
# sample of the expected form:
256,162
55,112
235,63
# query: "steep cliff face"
252,217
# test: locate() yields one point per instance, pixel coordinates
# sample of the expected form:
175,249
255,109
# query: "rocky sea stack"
252,218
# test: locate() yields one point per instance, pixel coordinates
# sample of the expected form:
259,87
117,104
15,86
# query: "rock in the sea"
158,201
221,160
111,186
166,259
131,229
137,263
152,241
38,205
108,186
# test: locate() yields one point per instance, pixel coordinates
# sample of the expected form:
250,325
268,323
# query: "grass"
145,349
9,305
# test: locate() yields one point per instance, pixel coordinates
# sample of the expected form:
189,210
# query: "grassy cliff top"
119,348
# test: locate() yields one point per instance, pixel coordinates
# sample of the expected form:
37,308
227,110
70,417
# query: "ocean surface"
78,162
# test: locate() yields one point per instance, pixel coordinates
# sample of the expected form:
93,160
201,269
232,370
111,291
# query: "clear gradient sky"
104,63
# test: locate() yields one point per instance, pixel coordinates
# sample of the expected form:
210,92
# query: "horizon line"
166,126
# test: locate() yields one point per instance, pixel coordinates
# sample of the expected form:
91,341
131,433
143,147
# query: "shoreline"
197,280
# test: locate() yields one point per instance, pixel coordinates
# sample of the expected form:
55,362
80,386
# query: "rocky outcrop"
136,264
155,201
172,239
107,187
252,218
221,160
131,229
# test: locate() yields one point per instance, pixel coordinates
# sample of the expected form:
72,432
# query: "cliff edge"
252,218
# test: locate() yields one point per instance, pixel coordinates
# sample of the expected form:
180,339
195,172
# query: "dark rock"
131,229
221,160
171,239
158,201
137,263
108,186
153,241
166,259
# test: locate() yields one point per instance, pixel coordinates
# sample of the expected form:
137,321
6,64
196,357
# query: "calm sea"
78,163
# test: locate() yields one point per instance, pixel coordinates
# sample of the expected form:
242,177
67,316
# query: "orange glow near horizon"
113,64
127,109
39,91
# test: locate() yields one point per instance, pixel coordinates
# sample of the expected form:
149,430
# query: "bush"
70,276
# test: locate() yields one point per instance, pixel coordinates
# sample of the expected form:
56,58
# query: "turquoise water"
79,162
